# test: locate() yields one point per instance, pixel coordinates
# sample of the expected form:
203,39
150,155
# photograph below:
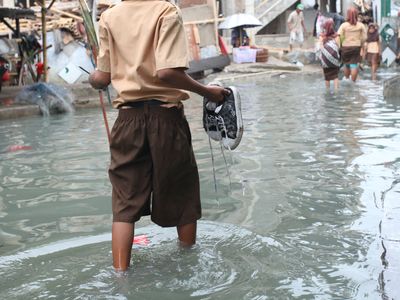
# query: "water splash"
51,98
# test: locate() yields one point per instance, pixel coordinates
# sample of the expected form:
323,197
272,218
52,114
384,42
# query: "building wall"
231,7
190,3
6,3
197,13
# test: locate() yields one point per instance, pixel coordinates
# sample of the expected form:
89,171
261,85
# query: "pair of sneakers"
223,122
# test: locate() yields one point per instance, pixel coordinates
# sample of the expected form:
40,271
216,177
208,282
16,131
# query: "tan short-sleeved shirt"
295,20
138,38
352,35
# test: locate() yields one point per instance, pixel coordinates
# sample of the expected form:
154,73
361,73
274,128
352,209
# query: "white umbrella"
240,20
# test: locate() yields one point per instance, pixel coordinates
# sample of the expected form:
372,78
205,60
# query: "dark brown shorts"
351,55
153,170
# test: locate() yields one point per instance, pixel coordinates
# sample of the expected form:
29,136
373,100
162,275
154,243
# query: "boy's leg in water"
354,74
374,67
187,234
346,71
122,236
336,83
327,84
301,39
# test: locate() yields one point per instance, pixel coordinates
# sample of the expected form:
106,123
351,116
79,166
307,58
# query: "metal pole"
44,42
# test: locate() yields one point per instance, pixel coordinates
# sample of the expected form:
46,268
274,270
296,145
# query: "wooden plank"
75,17
215,13
197,22
196,34
193,46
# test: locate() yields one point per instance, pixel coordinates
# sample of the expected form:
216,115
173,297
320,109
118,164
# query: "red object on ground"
15,148
222,46
7,101
6,76
141,240
39,68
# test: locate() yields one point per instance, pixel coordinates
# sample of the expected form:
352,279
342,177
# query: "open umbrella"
240,20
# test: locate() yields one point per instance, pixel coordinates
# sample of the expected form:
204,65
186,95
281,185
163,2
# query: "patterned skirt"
331,73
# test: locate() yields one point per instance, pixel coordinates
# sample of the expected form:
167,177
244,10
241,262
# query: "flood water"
311,210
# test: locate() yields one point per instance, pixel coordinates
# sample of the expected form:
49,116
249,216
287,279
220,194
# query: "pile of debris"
60,15
67,38
65,15
20,41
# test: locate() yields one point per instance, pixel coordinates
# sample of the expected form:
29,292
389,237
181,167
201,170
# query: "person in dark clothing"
338,20
239,37
316,7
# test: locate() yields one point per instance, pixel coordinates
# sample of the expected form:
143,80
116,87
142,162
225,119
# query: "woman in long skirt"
329,53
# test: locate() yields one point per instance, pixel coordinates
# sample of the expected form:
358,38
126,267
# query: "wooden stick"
44,41
215,13
75,17
203,21
103,109
93,44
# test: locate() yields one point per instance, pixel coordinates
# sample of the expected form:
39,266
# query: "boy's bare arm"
177,78
99,79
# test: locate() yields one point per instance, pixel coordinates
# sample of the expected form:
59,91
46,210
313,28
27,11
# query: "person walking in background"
296,27
398,38
329,53
373,49
317,21
153,169
338,19
352,36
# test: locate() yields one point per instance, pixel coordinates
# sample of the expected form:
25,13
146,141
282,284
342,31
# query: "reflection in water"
313,203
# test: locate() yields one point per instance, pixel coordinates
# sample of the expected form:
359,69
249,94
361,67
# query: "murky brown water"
311,213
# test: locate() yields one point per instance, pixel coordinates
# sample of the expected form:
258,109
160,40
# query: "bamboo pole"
94,45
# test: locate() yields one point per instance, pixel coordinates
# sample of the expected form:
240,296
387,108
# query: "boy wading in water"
143,53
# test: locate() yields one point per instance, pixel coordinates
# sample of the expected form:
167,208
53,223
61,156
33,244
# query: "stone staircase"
267,10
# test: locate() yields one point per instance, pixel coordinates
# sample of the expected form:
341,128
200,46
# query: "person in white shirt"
296,26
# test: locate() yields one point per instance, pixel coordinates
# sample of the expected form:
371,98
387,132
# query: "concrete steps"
267,10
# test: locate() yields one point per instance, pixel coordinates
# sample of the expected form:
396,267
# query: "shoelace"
220,121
